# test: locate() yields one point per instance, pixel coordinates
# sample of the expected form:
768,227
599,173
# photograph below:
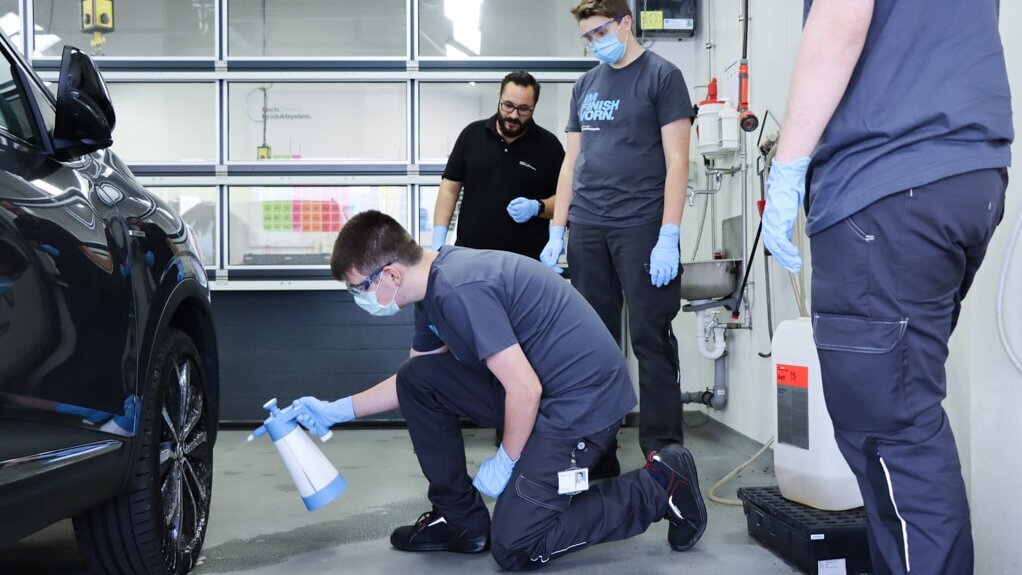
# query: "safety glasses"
601,30
364,285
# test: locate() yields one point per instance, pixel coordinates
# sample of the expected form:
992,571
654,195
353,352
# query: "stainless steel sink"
709,279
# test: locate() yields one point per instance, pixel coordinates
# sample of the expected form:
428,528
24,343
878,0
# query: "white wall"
994,387
773,37
985,391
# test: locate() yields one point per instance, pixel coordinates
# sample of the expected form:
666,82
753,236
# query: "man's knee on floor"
519,559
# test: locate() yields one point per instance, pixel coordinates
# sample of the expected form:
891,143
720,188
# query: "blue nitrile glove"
317,415
554,246
663,260
494,473
786,187
523,209
439,237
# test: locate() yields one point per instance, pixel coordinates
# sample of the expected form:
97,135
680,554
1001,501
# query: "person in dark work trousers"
622,190
505,167
505,343
905,109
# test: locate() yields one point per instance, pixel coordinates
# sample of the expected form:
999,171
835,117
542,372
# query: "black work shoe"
607,466
432,532
685,508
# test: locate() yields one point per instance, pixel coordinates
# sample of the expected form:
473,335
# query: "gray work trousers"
888,283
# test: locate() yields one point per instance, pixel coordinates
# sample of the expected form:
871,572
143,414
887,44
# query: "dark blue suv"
108,358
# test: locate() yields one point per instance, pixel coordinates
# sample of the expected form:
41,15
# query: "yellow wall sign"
651,19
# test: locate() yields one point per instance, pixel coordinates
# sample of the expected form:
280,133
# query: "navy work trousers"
607,268
531,524
888,283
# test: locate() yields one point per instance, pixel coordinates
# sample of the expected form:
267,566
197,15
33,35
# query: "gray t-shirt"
479,302
620,172
928,99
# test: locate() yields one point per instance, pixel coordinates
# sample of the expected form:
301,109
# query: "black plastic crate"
815,541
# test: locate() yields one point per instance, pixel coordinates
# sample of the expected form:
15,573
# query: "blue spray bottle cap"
280,422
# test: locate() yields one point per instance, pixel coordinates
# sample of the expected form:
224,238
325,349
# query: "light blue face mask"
607,49
367,301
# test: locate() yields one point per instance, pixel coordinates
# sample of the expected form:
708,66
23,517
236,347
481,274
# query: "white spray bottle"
317,480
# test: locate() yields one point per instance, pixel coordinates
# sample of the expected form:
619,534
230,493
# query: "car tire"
157,525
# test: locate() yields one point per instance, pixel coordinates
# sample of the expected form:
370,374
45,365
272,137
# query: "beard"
512,127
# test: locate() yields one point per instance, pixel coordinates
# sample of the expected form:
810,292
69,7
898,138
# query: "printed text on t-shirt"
595,109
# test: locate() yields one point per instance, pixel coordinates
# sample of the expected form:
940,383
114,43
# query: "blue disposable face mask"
607,49
368,301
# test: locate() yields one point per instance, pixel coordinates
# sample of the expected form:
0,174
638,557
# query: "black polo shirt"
492,174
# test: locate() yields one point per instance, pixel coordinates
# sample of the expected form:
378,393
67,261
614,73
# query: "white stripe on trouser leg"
543,559
904,526
567,548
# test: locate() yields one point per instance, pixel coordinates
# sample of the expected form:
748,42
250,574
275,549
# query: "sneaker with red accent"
433,532
685,508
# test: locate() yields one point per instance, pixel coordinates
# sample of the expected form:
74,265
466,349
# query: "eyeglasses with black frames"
523,110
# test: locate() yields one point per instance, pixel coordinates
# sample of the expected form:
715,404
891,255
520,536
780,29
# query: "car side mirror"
85,115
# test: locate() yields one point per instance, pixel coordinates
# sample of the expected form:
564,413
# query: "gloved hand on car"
786,188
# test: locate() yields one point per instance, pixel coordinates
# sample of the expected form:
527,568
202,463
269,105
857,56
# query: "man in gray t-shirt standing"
900,113
505,343
622,190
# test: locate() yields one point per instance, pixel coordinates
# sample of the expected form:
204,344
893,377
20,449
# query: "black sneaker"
432,532
685,508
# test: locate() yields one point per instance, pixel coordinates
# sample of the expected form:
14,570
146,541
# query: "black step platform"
817,542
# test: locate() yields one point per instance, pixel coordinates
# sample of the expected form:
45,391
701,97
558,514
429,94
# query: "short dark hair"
523,79
368,241
606,8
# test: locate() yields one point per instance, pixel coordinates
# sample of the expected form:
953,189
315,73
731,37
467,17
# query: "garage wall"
290,344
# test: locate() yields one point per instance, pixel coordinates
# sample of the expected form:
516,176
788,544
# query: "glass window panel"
427,207
427,203
446,108
143,28
318,28
10,22
15,118
362,122
168,122
197,207
509,29
288,226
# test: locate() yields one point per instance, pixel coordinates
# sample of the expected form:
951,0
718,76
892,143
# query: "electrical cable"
1002,332
712,496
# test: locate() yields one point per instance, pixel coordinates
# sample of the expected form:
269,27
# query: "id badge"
572,481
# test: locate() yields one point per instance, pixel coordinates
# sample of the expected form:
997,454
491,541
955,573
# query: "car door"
67,317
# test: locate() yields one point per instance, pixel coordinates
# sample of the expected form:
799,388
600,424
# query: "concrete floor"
259,525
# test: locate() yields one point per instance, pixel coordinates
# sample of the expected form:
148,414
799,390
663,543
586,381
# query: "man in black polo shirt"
507,166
